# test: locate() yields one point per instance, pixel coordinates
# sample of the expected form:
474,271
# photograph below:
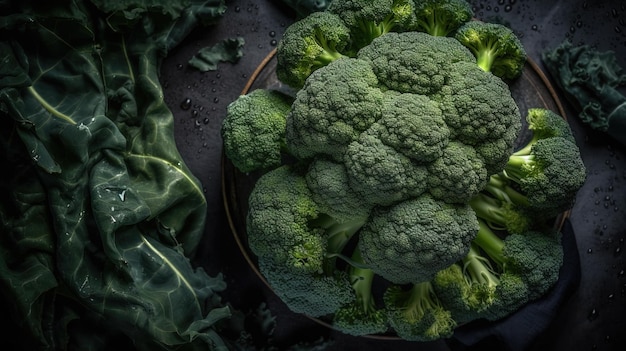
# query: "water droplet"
122,195
592,315
216,100
272,33
621,273
237,9
590,250
534,27
617,29
186,104
273,42
618,251
179,66
194,113
205,120
197,123
508,8
614,12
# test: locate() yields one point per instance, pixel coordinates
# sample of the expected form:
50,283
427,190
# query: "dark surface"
592,318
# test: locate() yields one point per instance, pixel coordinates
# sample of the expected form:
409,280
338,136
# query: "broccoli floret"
336,104
550,174
362,317
417,314
380,174
253,130
496,47
296,245
330,189
368,20
308,44
412,240
441,18
416,62
458,175
545,123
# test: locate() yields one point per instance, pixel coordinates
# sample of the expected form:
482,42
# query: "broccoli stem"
362,280
338,235
479,268
499,187
490,243
418,300
517,167
489,209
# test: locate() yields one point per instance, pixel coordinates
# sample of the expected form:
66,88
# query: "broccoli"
362,317
550,175
253,130
501,214
591,79
296,245
411,241
416,314
442,17
368,19
361,111
496,47
310,43
545,123
498,276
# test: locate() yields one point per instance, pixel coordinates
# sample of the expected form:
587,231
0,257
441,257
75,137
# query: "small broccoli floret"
417,314
544,123
537,257
411,241
308,44
253,130
550,175
338,102
458,175
362,317
441,18
368,20
496,47
330,189
501,214
380,174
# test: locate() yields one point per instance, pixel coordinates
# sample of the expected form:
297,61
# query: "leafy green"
227,50
100,214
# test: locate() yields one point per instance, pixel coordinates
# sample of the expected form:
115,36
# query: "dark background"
593,318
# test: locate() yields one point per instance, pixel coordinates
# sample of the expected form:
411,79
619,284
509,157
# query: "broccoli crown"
544,123
441,18
496,47
410,241
308,44
417,314
362,112
253,130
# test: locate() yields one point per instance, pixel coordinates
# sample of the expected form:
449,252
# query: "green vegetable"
592,80
101,216
308,44
496,47
362,317
442,17
227,50
498,276
417,314
411,241
253,130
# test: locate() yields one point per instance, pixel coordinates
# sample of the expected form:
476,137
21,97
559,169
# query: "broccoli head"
416,314
496,47
308,44
253,130
442,17
411,113
412,240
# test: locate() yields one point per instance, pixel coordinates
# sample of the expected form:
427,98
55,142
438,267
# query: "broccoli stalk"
338,235
502,215
361,317
496,47
417,314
